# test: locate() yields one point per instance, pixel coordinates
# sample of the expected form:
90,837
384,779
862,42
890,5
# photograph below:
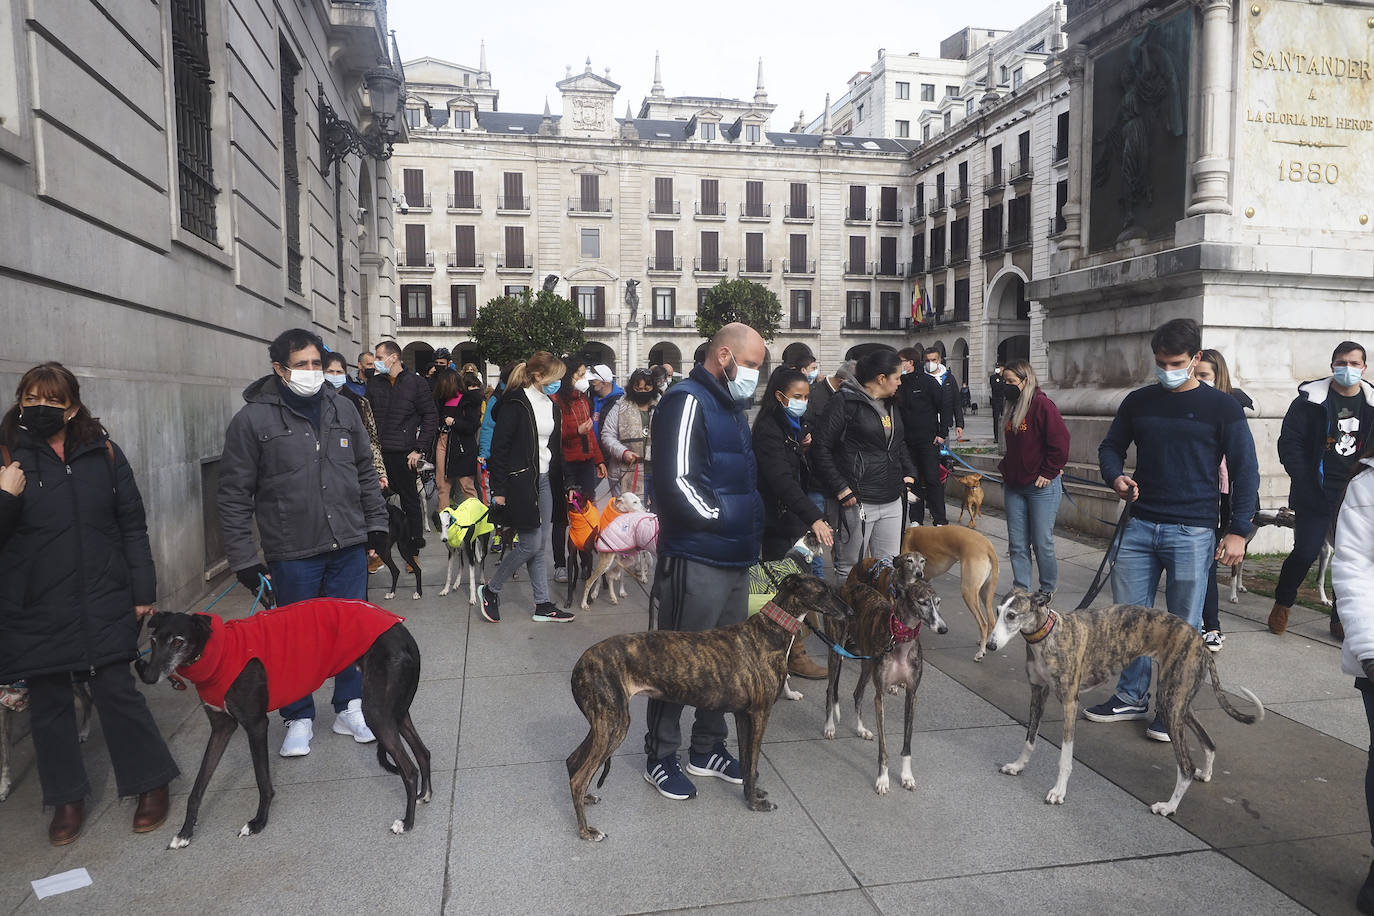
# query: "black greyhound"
391,674
398,535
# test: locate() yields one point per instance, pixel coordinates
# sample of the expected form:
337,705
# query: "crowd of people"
852,458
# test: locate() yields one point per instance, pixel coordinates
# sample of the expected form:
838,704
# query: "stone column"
1212,168
1070,243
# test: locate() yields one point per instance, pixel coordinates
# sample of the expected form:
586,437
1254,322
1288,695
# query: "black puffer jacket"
514,461
404,411
852,449
74,561
784,479
460,457
926,408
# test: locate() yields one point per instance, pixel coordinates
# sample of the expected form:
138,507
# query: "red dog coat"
300,645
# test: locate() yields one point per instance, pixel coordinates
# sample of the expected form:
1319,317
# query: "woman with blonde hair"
1037,449
526,451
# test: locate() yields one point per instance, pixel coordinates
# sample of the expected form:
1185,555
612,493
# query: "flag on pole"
916,304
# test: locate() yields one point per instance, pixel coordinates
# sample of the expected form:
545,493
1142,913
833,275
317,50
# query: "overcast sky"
708,47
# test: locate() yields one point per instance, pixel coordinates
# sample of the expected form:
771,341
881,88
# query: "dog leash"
1104,569
834,647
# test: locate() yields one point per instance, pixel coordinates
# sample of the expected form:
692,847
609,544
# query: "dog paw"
416,597
1163,809
1011,769
828,732
590,799
881,784
427,797
591,833
1055,797
1326,602
789,694
864,733
1235,600
4,790
179,842
443,593
978,656
398,826
245,831
909,783
1202,775
389,595
762,804
1242,589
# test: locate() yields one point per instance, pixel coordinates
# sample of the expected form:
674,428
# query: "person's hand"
584,427
498,500
847,498
939,440
601,472
1128,489
413,460
630,457
1042,482
249,576
12,478
1231,550
482,463
382,481
376,543
823,533
959,433
144,611
806,440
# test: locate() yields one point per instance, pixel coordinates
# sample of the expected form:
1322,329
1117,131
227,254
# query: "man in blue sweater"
1181,430
710,525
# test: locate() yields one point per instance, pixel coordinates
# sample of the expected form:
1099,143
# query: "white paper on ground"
61,883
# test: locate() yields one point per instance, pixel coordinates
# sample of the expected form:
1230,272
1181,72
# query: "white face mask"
1208,382
932,366
581,384
742,386
305,382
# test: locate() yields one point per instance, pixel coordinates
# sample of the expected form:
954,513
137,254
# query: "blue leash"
264,586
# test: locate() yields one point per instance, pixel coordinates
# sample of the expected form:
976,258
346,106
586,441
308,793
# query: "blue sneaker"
717,763
1157,732
1117,710
667,777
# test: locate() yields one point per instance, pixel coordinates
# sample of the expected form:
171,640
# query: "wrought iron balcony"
464,201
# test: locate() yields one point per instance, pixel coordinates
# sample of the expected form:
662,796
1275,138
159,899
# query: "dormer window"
708,130
460,119
752,133
415,116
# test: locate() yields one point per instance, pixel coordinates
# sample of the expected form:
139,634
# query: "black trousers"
996,420
1310,530
138,754
401,477
926,457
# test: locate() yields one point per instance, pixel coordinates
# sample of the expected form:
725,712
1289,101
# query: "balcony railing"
416,321
802,320
803,212
594,318
858,322
858,268
937,203
937,259
418,202
890,269
891,321
960,312
1061,152
755,211
664,321
467,261
890,216
665,208
513,204
516,262
992,243
993,181
858,214
709,210
755,266
416,260
1057,226
464,201
711,265
1021,171
959,196
664,264
917,267
1018,237
589,205
918,212
958,254
463,319
798,267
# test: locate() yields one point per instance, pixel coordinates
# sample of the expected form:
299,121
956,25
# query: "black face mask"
641,397
368,373
43,421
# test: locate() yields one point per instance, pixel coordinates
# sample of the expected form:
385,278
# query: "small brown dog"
973,498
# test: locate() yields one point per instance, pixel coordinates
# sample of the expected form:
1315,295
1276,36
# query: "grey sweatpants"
693,597
867,530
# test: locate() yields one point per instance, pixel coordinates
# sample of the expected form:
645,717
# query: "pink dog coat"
629,533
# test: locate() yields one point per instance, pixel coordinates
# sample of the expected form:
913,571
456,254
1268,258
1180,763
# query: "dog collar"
1044,630
780,617
901,632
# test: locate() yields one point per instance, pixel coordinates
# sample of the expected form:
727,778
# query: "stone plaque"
1305,92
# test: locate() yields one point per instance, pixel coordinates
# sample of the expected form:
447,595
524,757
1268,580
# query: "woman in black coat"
525,468
781,439
76,581
460,454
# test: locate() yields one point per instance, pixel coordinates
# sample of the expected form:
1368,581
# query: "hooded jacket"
74,561
311,490
1302,441
300,645
853,449
514,461
1352,569
404,410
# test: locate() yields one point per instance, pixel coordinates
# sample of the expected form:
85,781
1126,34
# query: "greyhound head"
920,597
1018,613
907,568
628,502
799,594
177,639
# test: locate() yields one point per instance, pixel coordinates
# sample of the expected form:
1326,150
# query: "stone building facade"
167,214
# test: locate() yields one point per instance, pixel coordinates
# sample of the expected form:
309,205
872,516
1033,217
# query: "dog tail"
605,771
384,760
1231,711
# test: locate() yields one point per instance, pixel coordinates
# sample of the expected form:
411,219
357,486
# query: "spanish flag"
916,302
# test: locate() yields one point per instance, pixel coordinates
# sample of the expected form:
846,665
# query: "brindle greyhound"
887,622
738,669
1073,652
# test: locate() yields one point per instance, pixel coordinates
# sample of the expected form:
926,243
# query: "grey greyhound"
738,669
1073,652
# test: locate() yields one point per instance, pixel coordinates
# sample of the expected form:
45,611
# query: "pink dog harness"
629,533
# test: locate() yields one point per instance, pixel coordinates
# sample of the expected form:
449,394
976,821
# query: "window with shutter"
191,87
663,249
413,183
858,251
590,193
858,201
710,251
887,205
465,246
753,198
890,311
600,296
887,256
856,309
463,196
797,254
291,171
513,184
415,245
753,252
515,247
801,308
463,305
710,197
665,305
663,195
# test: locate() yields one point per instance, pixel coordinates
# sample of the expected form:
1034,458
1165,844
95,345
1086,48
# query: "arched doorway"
666,352
1008,321
597,353
418,356
958,363
1014,347
699,356
466,353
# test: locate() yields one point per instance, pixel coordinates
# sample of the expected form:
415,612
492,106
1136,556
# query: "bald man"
710,524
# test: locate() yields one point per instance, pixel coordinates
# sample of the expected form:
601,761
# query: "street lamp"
338,138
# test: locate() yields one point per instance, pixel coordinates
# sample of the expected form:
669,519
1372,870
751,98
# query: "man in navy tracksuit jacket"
710,526
1182,430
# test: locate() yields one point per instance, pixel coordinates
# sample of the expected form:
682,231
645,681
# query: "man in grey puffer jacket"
297,456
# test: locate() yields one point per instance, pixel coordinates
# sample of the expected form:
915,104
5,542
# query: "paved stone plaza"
1281,828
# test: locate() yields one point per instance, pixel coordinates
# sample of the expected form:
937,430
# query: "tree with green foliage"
510,328
739,300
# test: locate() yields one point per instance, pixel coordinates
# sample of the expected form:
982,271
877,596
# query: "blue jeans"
817,561
1031,512
340,573
1183,553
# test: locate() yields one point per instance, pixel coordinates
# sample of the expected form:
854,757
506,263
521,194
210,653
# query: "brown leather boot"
1278,619
66,823
151,812
801,664
373,564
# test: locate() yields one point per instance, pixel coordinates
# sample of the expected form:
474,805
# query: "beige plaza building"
682,192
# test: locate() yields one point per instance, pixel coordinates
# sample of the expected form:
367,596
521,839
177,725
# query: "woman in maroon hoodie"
1037,448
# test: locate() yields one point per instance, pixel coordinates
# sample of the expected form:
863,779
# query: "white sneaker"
351,722
298,735
560,574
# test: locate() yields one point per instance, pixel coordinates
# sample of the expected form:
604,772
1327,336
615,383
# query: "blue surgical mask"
795,407
336,380
1347,375
552,387
811,376
742,386
1171,378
